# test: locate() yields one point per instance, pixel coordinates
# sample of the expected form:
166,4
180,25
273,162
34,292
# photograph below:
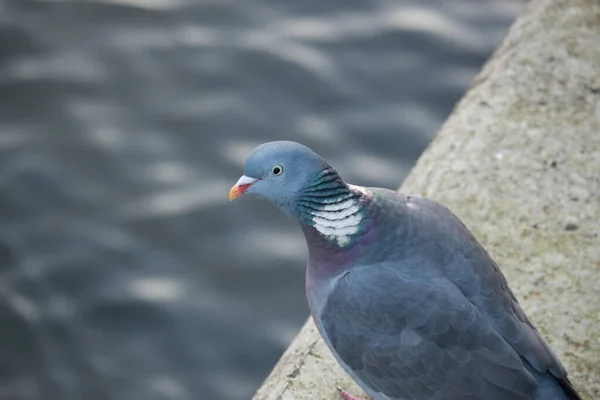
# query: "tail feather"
567,387
551,387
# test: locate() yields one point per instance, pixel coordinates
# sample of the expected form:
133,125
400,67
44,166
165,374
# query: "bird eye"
277,170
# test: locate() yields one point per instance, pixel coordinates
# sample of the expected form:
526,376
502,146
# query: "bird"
407,300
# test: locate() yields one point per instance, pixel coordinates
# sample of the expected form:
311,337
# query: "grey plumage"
408,301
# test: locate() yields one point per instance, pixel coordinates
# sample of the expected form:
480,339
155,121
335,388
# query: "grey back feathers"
436,319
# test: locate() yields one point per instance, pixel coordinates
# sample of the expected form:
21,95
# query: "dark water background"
125,274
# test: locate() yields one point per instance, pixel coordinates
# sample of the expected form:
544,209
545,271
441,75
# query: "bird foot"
345,395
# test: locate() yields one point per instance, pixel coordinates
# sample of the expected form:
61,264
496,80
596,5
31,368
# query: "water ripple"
125,273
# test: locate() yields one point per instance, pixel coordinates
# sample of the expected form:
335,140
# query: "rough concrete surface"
519,161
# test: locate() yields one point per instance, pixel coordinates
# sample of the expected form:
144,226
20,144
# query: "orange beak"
241,186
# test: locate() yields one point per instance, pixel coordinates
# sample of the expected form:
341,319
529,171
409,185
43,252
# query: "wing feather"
435,318
478,277
451,351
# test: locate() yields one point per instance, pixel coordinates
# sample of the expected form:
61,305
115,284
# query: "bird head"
279,172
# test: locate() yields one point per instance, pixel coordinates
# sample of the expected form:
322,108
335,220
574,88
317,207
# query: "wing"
415,336
455,252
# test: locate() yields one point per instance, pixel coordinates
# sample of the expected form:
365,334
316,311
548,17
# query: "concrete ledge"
519,161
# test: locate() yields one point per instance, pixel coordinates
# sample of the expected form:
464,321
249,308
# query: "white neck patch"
339,221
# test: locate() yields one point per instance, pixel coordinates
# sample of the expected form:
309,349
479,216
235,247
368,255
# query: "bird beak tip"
241,186
234,193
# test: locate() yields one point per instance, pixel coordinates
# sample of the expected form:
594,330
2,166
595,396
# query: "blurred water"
125,274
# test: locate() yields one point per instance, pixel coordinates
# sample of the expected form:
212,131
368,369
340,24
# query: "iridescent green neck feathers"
332,207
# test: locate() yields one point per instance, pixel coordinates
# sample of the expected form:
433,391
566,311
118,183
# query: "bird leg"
345,395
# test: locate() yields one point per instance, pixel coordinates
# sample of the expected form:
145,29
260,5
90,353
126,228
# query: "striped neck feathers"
332,207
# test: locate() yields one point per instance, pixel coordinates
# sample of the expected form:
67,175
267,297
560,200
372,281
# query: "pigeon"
409,303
